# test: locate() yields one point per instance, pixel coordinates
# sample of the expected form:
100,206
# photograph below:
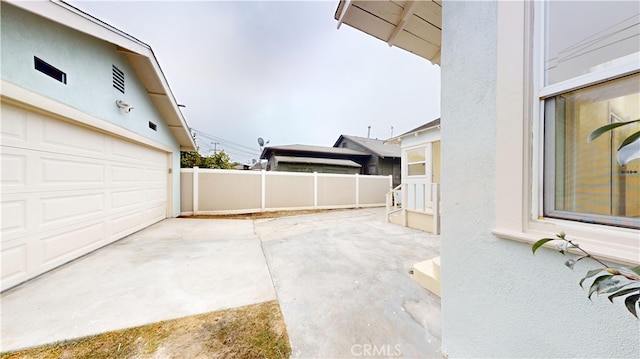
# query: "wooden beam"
436,58
407,12
343,13
128,52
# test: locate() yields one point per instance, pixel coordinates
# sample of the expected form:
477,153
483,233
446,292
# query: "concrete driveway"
341,278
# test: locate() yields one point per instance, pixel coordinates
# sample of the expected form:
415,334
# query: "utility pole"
215,148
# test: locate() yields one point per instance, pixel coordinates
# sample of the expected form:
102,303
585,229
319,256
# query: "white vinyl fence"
208,191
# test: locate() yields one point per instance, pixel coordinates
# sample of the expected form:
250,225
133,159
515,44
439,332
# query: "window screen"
590,181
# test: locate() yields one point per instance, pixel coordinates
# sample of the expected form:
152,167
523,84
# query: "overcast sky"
277,70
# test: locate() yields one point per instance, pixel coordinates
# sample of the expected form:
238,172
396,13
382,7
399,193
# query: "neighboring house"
258,166
303,158
416,203
416,199
384,157
523,84
91,137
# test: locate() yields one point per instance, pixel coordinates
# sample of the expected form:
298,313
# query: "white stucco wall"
87,61
497,299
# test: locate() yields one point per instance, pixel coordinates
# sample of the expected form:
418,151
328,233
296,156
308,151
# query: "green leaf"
631,273
622,292
590,274
631,302
613,284
540,243
601,130
628,140
594,285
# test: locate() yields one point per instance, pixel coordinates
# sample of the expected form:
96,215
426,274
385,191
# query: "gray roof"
321,161
312,149
377,147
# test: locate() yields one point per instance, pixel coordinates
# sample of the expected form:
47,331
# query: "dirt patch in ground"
255,331
259,215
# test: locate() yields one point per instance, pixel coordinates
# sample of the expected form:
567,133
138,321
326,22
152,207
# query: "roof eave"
415,26
338,140
275,150
149,72
399,138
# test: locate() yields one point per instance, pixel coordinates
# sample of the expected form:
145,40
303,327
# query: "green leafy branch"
614,281
606,128
624,155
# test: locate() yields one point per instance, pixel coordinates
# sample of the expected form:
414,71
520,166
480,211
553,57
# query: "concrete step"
427,274
396,217
436,266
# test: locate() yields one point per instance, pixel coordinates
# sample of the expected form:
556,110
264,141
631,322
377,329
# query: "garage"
68,189
90,136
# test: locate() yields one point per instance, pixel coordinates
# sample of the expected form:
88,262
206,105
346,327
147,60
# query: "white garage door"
67,190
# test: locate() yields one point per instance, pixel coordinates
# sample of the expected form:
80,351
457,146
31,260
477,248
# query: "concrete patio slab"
344,286
176,268
341,277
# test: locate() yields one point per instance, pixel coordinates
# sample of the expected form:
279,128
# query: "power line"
237,151
229,142
228,147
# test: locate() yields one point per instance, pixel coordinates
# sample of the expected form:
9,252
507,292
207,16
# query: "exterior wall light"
124,106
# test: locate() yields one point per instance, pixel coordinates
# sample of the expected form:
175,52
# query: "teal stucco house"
90,137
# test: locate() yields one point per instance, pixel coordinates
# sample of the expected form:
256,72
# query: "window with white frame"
589,78
416,162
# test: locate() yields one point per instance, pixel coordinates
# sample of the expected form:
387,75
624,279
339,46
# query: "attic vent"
118,79
49,70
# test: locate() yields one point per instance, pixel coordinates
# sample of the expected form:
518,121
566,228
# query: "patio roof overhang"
415,26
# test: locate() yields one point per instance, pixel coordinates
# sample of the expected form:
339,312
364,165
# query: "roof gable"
375,146
139,54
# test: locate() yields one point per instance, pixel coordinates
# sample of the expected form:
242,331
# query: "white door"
68,189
